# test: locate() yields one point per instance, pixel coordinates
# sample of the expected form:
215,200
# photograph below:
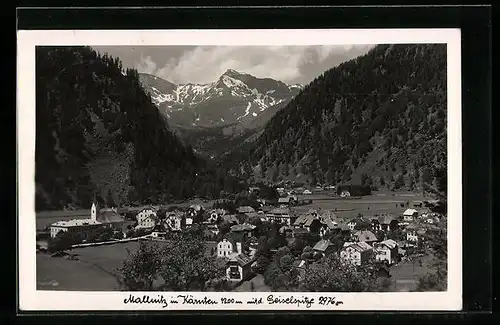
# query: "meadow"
95,269
377,203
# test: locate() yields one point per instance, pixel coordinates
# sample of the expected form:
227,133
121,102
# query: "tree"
140,268
399,182
436,278
64,240
330,274
362,224
297,246
364,179
185,266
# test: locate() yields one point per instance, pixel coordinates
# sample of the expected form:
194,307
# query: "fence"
110,242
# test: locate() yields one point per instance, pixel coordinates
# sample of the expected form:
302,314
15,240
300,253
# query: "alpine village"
335,186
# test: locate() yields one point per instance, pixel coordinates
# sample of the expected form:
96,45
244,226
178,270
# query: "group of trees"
389,104
436,278
99,135
63,241
320,273
174,265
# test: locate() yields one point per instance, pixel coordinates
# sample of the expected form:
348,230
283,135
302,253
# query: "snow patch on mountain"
247,111
231,89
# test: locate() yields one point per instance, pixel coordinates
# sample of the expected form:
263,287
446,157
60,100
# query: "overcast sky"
205,64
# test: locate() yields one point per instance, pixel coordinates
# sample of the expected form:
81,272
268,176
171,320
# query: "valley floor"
95,268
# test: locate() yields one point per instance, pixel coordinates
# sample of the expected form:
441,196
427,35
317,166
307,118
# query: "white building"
173,221
356,253
386,250
280,215
75,225
227,247
410,214
351,224
414,234
146,218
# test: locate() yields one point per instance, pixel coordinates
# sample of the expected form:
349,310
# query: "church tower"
93,212
93,209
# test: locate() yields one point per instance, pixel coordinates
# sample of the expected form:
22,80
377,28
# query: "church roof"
109,216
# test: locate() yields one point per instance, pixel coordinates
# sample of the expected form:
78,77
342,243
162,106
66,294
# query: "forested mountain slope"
379,119
98,134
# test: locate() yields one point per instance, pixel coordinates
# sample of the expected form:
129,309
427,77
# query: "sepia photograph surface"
204,171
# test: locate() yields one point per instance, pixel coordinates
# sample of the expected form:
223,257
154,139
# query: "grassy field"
378,202
62,274
95,268
405,275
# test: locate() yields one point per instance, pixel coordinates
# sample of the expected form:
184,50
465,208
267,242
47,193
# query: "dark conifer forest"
98,135
377,120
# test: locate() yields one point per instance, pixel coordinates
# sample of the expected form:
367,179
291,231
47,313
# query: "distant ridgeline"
377,120
98,133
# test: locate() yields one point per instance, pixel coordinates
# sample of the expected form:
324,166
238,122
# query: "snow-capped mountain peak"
232,98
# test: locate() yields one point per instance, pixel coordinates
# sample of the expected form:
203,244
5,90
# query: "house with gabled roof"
280,215
246,229
245,209
356,253
410,215
214,215
288,200
228,246
174,220
230,218
352,224
147,218
316,223
324,247
239,267
414,233
384,222
387,251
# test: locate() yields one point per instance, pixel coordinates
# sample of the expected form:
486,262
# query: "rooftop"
385,219
410,212
389,243
246,209
322,245
359,246
243,227
109,216
241,259
365,235
280,211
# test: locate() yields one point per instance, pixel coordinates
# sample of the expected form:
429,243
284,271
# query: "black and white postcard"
240,170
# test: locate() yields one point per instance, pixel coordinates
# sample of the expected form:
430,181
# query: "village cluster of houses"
361,246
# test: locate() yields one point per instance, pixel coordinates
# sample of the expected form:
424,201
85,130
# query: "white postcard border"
32,300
